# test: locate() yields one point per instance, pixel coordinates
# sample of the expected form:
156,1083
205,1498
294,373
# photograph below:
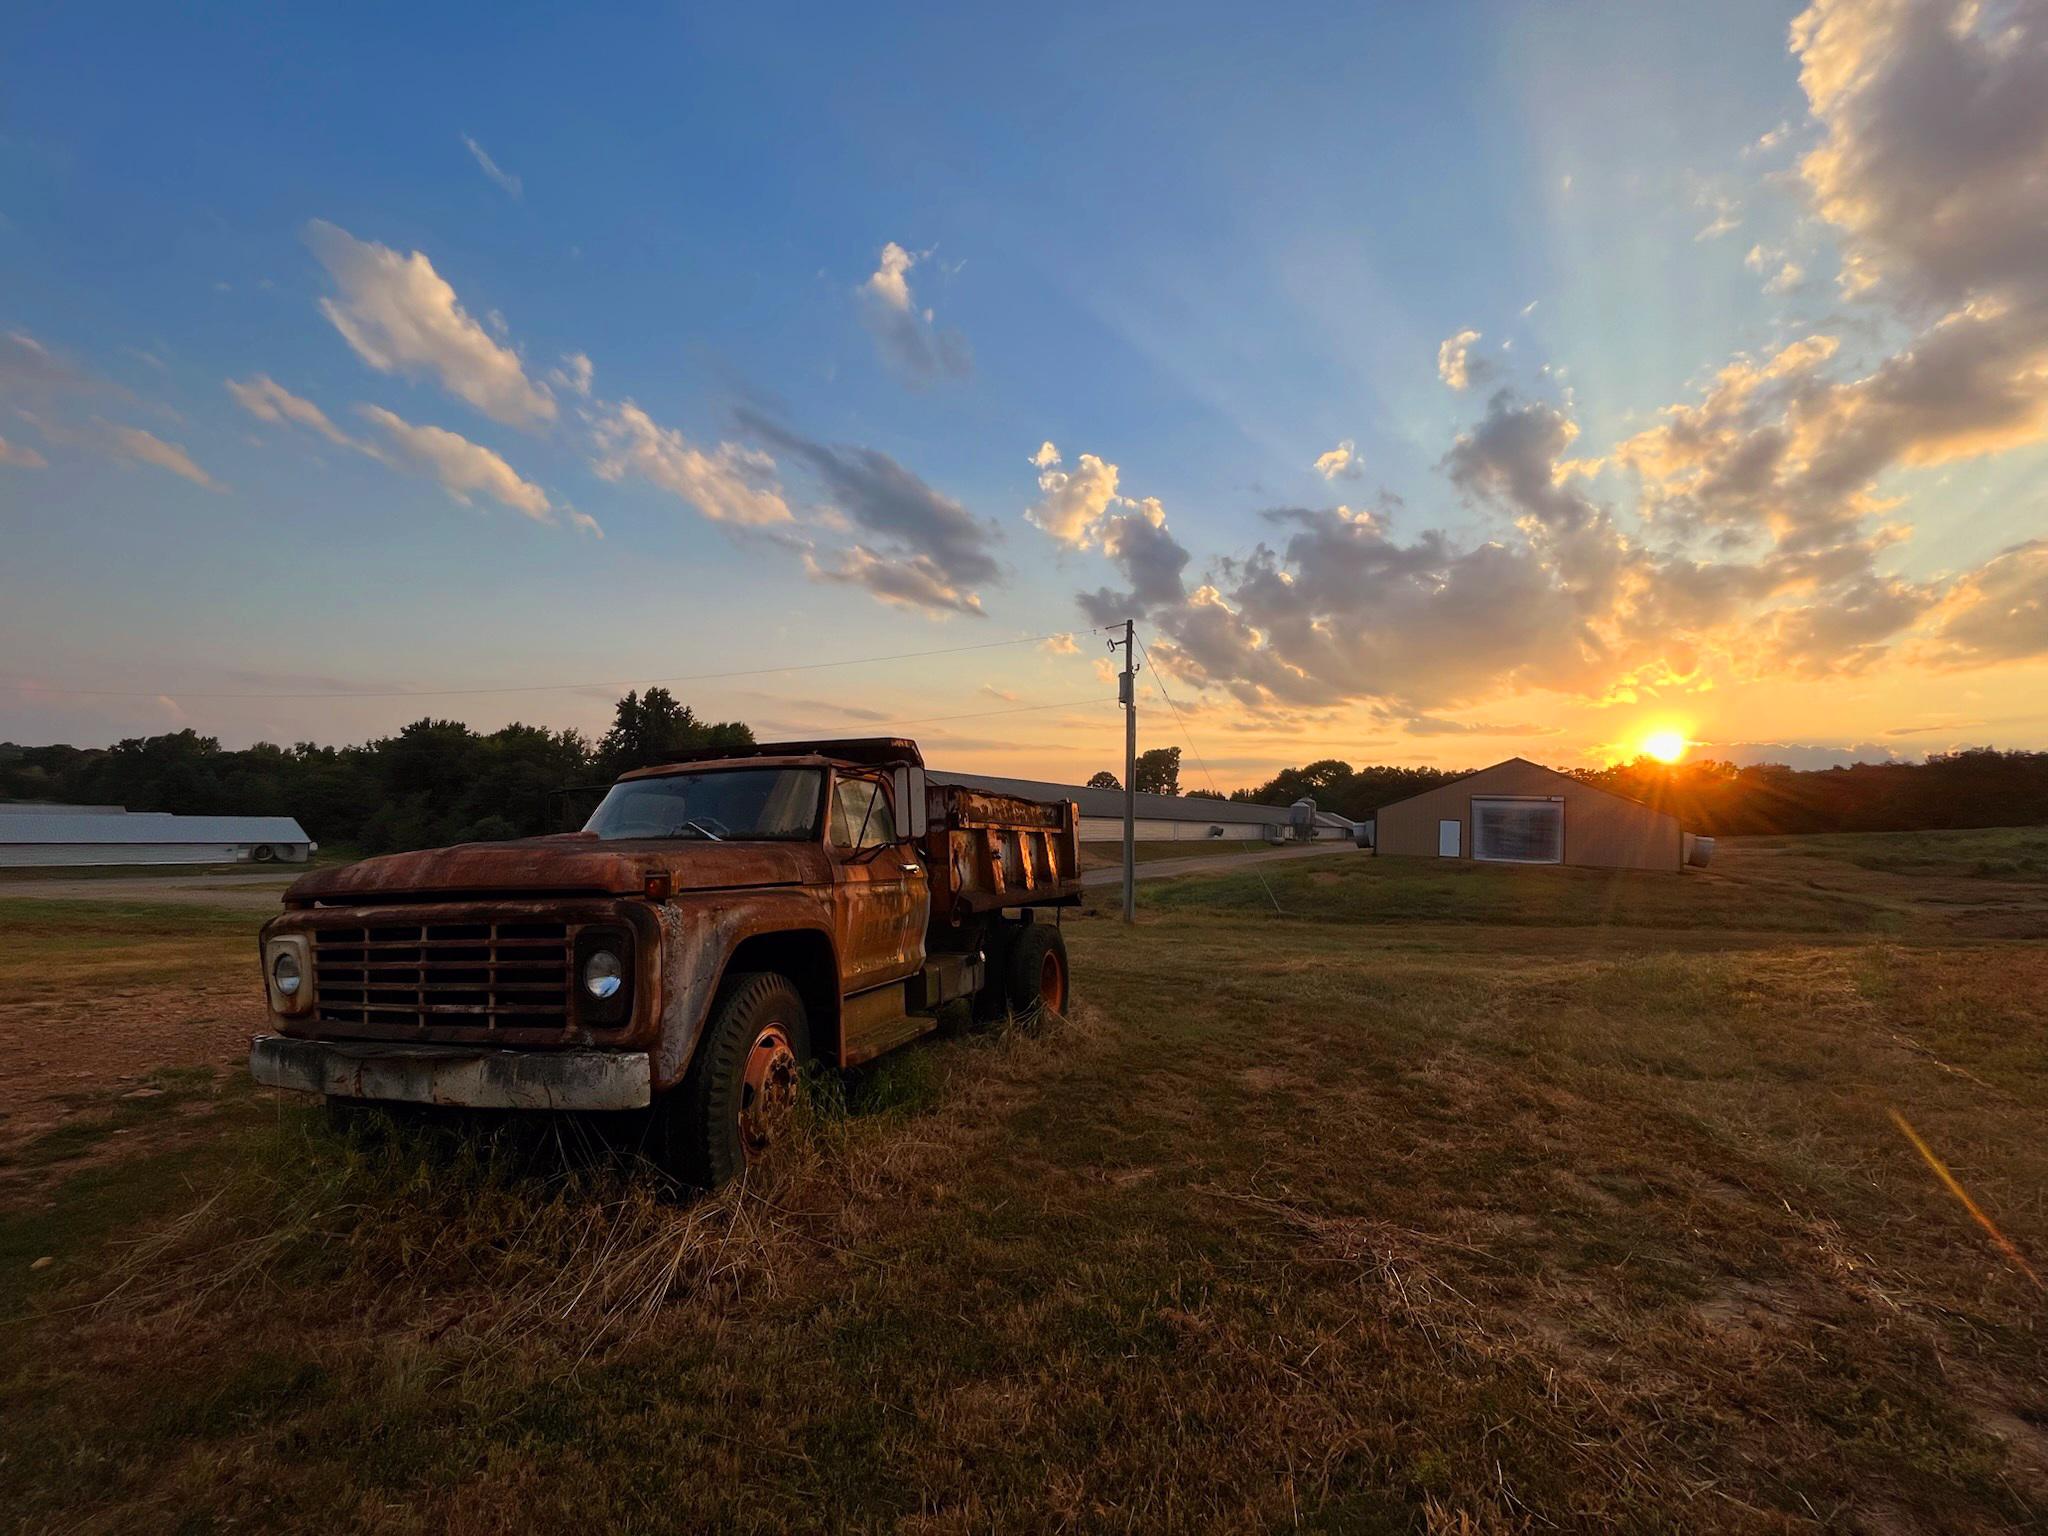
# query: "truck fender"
697,946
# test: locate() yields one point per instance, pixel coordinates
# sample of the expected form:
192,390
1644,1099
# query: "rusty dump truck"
722,920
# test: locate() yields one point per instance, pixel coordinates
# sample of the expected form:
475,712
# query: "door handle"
908,869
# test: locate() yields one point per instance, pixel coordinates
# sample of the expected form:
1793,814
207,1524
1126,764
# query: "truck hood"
571,864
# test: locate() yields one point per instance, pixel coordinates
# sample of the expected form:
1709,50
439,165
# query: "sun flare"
1665,746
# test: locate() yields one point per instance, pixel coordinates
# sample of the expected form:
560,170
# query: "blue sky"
1202,246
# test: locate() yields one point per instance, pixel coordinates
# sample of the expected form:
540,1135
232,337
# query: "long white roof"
1110,802
147,827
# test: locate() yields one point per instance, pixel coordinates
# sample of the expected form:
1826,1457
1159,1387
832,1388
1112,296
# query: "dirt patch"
64,1057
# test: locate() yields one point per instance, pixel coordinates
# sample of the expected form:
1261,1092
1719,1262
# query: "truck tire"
1036,977
739,1097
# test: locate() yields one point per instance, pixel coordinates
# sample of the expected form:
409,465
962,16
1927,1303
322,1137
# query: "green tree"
648,727
1105,780
1158,772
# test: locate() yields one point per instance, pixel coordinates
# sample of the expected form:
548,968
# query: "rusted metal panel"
878,1021
698,938
989,851
401,1073
573,863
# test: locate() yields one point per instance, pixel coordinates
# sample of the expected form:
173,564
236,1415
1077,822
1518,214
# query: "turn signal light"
658,885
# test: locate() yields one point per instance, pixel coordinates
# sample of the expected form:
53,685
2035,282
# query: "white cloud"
730,484
148,448
463,468
267,400
20,457
1998,611
1072,503
913,521
1454,363
1934,161
402,317
914,582
1082,507
574,375
27,367
890,284
909,338
1725,208
1341,462
505,181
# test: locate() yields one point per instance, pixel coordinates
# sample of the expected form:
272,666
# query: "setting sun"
1665,746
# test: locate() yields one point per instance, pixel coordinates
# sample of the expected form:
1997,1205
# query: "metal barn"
1519,812
1160,818
45,836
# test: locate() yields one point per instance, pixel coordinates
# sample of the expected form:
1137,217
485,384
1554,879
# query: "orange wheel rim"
1052,982
768,1089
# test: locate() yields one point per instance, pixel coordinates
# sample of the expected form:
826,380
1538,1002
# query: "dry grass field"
1463,1201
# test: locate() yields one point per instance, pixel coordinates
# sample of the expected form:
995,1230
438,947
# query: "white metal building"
1160,818
45,835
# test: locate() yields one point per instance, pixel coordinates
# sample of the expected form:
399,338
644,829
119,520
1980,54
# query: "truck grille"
489,974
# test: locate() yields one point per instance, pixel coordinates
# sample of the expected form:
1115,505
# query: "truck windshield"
719,805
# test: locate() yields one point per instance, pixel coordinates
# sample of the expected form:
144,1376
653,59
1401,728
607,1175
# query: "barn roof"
1598,789
147,827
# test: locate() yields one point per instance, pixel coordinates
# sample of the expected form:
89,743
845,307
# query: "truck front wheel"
739,1097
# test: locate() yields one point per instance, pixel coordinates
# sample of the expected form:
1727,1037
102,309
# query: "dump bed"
987,851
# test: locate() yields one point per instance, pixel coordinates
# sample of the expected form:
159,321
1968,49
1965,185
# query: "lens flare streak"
1955,1188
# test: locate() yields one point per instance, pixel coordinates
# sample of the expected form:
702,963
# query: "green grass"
1298,1222
1111,855
1423,891
26,920
1996,853
167,1091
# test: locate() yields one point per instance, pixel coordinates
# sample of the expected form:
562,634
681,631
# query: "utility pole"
1127,695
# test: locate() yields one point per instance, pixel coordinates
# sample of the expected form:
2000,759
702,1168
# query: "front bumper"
464,1075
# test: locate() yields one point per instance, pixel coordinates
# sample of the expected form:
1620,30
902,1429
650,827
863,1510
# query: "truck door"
881,897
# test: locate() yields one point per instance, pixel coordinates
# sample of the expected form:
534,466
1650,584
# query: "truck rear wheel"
1035,973
739,1099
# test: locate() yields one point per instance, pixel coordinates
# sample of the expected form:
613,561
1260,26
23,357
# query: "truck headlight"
605,958
603,974
287,967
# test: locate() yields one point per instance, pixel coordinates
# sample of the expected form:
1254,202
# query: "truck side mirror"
908,782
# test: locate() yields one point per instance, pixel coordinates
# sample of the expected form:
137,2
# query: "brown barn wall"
1599,828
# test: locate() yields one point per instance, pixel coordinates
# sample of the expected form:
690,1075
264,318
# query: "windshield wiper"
697,827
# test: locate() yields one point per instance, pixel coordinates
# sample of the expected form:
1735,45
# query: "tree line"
1975,787
435,782
439,781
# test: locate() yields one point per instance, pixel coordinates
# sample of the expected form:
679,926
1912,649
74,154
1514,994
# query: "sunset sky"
1433,384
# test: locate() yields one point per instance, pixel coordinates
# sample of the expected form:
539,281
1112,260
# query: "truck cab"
721,922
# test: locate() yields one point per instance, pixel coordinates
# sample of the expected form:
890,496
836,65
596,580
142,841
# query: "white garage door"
1510,831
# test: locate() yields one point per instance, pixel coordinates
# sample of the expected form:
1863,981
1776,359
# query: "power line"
982,714
645,682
